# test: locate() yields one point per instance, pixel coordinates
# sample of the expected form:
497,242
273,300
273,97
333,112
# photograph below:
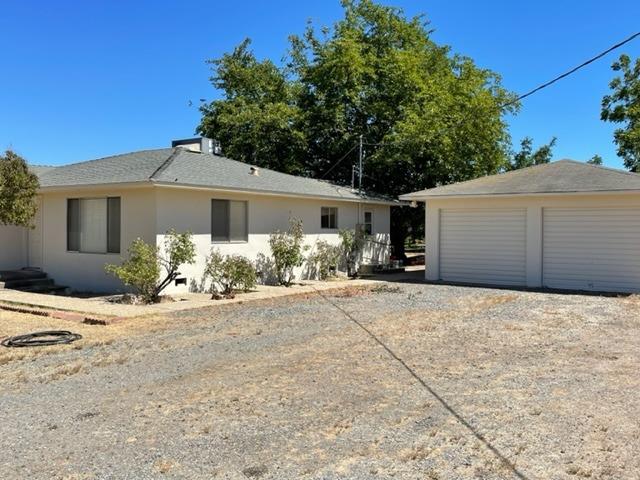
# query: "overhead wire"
511,102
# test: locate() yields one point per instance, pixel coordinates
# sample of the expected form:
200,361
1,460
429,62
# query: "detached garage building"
566,225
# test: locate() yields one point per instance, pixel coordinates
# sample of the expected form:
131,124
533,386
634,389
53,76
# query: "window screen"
229,221
93,225
368,223
329,217
73,225
113,225
238,221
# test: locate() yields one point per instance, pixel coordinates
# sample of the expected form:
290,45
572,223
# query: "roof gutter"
426,198
96,186
271,193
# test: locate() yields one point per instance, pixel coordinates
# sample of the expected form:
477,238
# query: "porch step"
30,280
51,289
23,274
27,282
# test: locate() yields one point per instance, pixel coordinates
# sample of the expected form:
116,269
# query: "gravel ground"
476,383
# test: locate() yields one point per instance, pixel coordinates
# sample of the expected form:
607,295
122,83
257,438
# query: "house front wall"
149,212
190,210
534,210
85,271
13,247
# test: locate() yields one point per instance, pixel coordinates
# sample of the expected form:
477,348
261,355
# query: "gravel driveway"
466,383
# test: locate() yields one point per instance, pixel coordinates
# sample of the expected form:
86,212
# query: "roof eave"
275,193
95,186
428,197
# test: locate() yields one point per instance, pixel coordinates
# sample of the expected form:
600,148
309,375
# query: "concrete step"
30,280
48,289
27,282
24,274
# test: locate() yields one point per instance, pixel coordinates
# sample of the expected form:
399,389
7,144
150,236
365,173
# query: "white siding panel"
592,249
483,246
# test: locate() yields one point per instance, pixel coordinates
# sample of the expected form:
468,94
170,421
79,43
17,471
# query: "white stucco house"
90,212
564,225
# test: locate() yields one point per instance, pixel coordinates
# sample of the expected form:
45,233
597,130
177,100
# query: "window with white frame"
368,223
229,221
329,217
93,225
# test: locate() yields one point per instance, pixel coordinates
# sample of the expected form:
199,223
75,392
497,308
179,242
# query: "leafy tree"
427,116
143,269
595,160
256,120
18,189
287,249
229,273
622,106
527,157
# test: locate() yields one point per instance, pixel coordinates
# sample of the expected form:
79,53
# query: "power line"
517,99
338,162
421,382
573,70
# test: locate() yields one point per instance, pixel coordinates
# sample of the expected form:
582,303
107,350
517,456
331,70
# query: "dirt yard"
460,383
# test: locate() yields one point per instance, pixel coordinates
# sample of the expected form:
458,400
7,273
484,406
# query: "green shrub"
287,249
229,274
325,259
143,269
352,245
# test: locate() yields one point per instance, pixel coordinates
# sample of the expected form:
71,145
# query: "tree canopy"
595,160
18,189
622,106
427,116
527,157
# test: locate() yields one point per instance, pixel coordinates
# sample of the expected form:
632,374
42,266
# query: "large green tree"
18,189
622,106
528,157
426,115
256,120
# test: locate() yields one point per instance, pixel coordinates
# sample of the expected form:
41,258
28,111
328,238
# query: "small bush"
142,270
352,245
229,273
287,249
325,258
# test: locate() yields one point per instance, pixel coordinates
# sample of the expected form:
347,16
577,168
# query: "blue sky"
81,80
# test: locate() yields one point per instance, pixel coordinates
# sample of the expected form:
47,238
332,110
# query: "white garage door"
483,246
591,249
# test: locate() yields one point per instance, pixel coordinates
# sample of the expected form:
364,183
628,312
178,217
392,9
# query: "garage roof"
563,176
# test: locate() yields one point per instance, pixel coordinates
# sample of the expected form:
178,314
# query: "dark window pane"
219,220
368,223
324,217
238,221
328,217
73,225
113,225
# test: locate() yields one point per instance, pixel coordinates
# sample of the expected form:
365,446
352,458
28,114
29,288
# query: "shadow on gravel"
417,278
504,460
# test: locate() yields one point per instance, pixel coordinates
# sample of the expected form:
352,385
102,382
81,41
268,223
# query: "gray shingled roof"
563,176
179,166
40,170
